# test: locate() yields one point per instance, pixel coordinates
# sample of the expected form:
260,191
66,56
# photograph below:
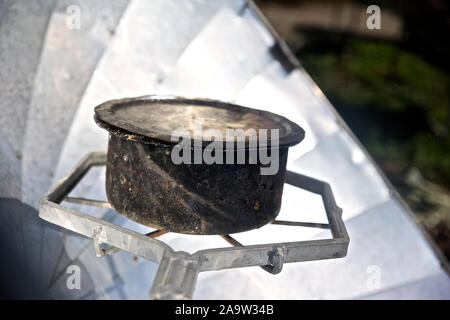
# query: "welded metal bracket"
178,271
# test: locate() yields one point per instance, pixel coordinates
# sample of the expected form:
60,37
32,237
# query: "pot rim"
105,118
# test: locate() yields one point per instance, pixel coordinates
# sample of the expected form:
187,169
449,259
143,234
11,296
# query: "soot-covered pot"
159,171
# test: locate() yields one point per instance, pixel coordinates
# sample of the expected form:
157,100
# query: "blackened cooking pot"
164,166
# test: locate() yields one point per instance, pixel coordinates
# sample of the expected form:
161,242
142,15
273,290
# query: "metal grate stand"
178,270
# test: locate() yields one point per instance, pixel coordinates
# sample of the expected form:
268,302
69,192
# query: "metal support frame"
178,270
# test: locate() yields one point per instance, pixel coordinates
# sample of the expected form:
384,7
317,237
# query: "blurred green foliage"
395,101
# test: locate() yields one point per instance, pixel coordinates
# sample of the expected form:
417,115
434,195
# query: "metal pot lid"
153,117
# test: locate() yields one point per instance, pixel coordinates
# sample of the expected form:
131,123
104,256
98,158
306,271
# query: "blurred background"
390,85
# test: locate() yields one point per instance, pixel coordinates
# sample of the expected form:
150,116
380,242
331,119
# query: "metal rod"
334,213
154,234
273,269
231,240
68,183
89,202
302,224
